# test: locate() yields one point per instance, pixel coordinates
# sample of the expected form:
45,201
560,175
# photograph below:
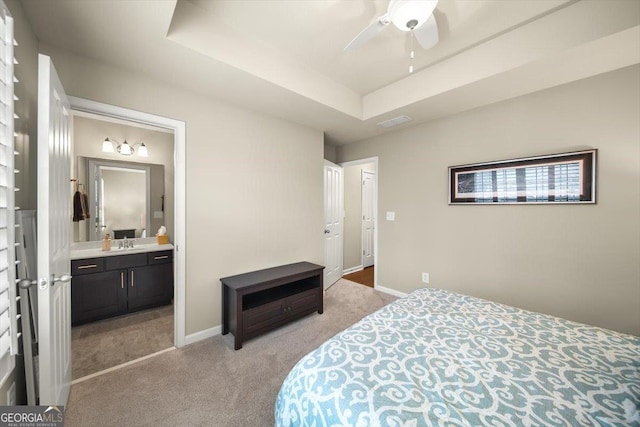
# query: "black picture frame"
565,178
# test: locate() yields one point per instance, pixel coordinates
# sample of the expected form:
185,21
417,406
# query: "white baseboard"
202,335
352,270
390,291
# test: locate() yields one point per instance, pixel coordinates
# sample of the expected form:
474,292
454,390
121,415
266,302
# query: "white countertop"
84,250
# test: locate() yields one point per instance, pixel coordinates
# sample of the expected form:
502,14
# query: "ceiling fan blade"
368,33
427,34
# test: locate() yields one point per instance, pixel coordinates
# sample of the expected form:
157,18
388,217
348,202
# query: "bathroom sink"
81,253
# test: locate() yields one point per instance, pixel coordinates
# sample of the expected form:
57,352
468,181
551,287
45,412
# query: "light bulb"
107,146
142,151
125,149
411,68
412,55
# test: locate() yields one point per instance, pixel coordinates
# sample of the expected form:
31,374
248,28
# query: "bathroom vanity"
107,284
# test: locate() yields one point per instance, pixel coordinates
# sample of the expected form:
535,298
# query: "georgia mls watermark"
31,416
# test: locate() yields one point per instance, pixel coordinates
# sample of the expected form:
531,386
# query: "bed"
437,358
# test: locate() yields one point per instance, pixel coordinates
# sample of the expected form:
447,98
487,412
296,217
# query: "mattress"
437,358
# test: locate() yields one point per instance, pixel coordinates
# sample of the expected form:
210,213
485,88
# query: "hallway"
364,277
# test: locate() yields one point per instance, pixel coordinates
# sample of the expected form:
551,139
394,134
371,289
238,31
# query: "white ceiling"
286,58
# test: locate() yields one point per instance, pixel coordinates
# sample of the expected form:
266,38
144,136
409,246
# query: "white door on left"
54,219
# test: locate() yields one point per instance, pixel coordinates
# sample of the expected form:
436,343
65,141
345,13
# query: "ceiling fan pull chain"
412,54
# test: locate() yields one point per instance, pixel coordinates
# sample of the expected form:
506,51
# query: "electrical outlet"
425,278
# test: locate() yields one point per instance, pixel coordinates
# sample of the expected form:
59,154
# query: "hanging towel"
85,206
77,207
80,203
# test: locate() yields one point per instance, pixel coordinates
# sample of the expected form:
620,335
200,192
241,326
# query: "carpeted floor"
107,343
210,384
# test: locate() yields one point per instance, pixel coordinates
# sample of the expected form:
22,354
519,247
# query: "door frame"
179,143
375,207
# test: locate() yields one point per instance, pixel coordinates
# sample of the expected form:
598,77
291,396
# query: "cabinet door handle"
122,280
84,267
132,278
161,257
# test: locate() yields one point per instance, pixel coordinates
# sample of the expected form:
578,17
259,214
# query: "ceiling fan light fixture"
415,16
404,12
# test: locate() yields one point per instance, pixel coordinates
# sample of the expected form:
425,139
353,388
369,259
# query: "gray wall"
330,153
352,251
577,262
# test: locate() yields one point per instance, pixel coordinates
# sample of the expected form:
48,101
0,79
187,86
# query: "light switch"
391,216
158,214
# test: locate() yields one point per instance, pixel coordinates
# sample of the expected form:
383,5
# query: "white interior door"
333,222
368,216
54,219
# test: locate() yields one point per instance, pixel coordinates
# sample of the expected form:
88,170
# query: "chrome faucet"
125,244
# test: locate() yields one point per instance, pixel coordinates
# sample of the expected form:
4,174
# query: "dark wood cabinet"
98,295
110,286
150,286
257,302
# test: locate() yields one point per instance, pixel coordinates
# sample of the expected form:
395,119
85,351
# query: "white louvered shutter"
8,315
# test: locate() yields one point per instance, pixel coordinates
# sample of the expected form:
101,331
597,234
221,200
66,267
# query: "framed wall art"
552,179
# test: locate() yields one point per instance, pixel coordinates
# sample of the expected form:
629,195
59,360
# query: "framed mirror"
119,199
125,199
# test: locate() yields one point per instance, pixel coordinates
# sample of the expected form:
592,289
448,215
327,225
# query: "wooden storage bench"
257,302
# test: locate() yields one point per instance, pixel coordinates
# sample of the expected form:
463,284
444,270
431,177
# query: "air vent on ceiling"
395,121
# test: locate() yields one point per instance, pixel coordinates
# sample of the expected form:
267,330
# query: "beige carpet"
210,384
107,343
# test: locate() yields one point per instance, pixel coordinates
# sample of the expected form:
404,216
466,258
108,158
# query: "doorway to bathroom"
360,221
124,172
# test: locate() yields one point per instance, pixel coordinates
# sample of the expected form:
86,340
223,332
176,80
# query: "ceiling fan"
407,15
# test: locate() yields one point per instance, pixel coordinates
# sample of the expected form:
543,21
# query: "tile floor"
107,343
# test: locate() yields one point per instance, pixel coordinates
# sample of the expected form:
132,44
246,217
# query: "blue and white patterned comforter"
436,358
